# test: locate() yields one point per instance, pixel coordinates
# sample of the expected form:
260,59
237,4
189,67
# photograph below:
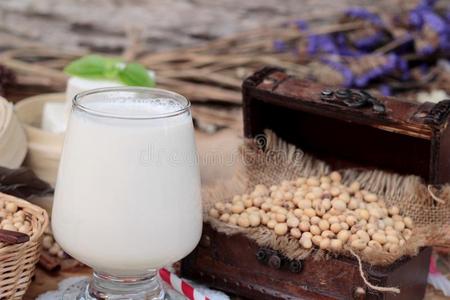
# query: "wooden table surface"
45,281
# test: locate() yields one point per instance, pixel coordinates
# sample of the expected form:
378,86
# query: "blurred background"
205,48
107,25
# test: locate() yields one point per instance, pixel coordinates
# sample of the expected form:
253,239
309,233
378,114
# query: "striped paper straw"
181,286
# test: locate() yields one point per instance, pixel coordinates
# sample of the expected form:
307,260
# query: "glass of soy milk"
127,199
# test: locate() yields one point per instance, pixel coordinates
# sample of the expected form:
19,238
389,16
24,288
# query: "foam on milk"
135,107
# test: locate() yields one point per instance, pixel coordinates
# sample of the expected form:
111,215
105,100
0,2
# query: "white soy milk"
128,193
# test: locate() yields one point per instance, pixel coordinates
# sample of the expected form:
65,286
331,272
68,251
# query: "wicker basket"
17,262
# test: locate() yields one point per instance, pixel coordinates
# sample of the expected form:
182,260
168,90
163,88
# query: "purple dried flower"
301,24
346,51
434,21
327,45
343,47
426,50
392,63
445,42
376,72
424,16
385,90
439,25
340,38
426,3
322,44
447,14
362,13
279,46
312,44
364,79
415,18
369,42
361,81
402,66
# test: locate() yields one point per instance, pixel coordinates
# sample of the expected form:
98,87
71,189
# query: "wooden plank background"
108,25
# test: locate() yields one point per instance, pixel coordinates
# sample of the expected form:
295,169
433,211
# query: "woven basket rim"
35,211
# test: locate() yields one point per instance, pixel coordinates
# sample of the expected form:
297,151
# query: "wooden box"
345,128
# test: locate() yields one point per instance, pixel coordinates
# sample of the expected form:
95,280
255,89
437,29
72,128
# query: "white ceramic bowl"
13,142
44,148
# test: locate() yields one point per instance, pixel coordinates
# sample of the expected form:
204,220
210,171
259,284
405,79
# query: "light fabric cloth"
64,284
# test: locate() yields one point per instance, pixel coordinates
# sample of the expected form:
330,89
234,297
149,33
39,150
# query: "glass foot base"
103,287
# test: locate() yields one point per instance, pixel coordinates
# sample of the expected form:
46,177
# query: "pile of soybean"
320,211
13,218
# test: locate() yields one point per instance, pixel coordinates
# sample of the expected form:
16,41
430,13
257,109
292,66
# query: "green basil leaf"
112,68
88,66
136,75
96,66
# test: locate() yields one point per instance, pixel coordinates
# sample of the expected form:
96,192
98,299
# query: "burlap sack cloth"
268,160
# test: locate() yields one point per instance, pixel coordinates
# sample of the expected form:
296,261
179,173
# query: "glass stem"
105,286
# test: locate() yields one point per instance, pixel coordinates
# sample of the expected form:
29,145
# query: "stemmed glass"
127,198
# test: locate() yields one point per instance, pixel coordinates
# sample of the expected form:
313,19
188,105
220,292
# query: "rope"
436,198
373,287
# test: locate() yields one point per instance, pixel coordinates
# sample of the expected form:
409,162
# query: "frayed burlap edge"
269,160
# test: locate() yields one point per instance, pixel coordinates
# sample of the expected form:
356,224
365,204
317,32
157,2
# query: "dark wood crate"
231,263
345,128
